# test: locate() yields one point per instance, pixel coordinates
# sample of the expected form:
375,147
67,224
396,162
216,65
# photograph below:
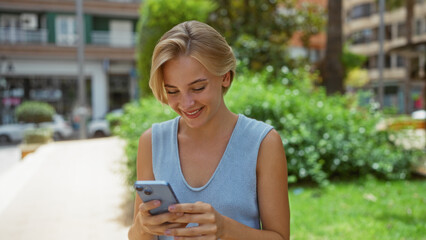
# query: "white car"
61,128
98,128
15,132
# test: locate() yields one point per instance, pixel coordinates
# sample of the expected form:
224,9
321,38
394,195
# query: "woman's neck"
223,122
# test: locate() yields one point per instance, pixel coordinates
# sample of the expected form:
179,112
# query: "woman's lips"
193,114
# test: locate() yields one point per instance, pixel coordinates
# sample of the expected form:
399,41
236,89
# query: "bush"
324,137
34,112
138,117
38,135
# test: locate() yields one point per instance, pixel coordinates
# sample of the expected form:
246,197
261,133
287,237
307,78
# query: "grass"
365,209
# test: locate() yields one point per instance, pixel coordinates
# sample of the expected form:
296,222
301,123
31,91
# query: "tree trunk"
332,70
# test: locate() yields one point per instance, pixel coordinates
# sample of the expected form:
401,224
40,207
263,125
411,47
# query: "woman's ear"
226,81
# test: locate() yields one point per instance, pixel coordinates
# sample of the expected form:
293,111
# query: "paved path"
66,190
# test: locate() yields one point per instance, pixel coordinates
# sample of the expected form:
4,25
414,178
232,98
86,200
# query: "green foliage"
324,137
38,135
351,60
259,31
138,117
311,19
159,16
34,112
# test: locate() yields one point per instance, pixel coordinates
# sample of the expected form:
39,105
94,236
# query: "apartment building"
38,54
403,88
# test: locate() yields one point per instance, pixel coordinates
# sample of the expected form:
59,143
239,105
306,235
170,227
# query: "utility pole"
381,51
82,108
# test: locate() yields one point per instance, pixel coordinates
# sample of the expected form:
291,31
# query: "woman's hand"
210,222
156,224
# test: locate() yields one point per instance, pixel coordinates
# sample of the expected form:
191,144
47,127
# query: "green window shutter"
88,23
50,24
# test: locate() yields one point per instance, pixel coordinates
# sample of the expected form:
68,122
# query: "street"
9,156
65,190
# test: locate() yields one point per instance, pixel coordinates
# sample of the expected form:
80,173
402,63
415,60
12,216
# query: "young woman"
228,171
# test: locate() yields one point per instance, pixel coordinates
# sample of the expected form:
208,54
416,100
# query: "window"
418,27
66,33
400,61
388,32
388,61
401,30
363,36
362,10
373,60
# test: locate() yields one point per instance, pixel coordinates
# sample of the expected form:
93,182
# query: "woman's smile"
194,113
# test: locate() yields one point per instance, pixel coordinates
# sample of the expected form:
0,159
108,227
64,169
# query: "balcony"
21,36
37,44
123,8
114,39
15,36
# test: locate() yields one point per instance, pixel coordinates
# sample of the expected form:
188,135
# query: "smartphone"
156,190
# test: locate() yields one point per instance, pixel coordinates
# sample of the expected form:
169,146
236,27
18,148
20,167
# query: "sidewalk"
67,190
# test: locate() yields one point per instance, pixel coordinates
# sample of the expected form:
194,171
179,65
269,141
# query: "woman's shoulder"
248,122
146,136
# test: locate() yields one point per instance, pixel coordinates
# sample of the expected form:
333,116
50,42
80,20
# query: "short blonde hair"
194,39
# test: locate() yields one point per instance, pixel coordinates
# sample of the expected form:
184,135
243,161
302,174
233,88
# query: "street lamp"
82,108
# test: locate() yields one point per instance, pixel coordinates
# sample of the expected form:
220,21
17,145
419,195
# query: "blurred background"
343,82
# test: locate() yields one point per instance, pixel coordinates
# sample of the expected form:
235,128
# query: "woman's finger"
161,218
201,230
196,218
145,207
198,207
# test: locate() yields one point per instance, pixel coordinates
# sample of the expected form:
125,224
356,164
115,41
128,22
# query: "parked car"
61,128
98,128
101,127
15,132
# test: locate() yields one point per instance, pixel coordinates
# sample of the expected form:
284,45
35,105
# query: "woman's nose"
187,101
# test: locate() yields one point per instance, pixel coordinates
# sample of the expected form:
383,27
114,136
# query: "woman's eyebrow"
169,86
191,83
197,81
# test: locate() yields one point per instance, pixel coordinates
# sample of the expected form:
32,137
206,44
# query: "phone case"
156,190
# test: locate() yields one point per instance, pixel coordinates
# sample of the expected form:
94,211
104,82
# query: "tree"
311,23
259,31
332,71
157,17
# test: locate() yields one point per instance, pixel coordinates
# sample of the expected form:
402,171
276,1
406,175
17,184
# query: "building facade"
404,87
38,54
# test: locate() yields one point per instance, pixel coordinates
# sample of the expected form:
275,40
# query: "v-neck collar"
223,158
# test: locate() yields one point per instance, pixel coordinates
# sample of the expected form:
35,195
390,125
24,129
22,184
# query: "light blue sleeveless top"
232,188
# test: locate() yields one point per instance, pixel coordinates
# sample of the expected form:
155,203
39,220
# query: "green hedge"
325,137
34,112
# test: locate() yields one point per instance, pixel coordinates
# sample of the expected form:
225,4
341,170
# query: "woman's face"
192,91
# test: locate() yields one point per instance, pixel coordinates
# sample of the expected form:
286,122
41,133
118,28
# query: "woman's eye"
172,92
199,89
